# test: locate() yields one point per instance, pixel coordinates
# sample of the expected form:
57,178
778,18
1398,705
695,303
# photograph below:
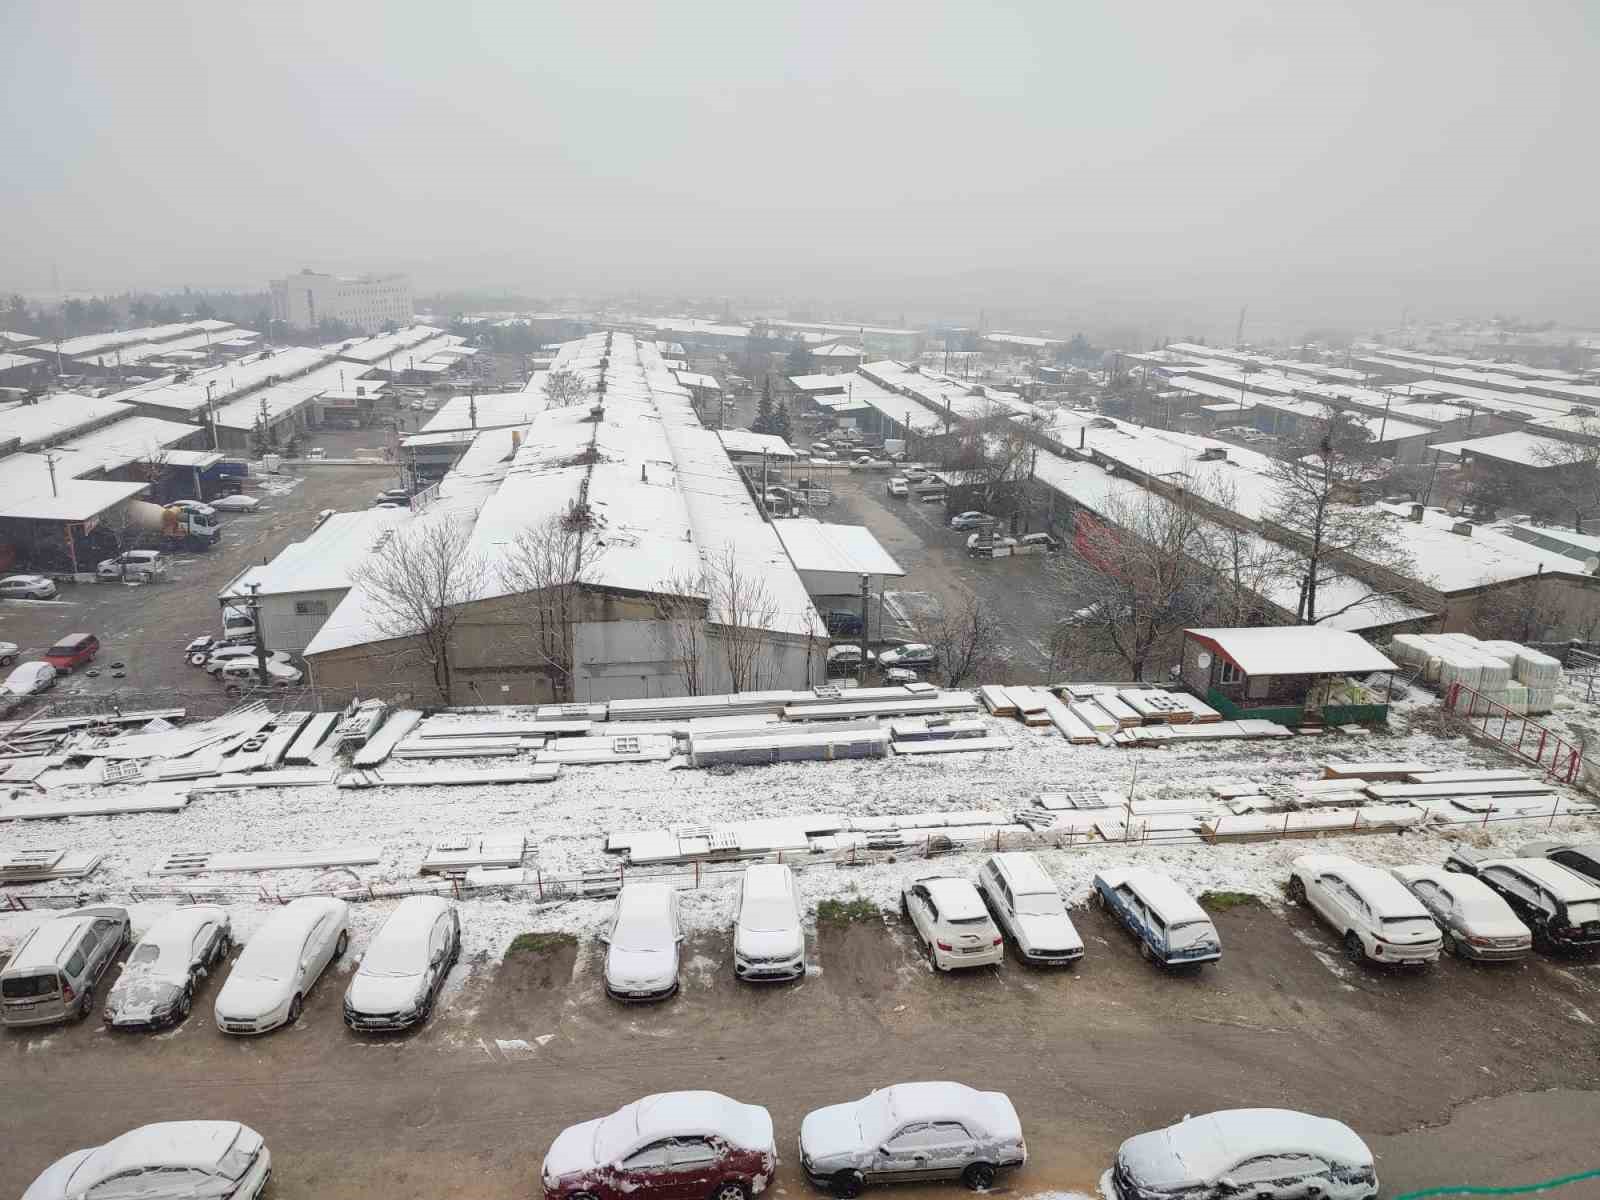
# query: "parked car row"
57,968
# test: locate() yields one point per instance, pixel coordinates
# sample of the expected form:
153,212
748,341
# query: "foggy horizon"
1337,165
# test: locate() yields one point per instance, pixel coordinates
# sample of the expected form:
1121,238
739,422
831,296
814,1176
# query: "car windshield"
1040,904
27,986
767,914
1188,933
1583,912
145,953
644,926
393,957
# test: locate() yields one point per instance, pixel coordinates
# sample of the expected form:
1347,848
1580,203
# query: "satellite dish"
1203,659
1591,565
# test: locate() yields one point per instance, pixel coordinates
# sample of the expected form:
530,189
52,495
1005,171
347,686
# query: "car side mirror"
605,939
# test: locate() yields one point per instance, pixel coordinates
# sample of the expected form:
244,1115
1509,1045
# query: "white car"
405,965
899,486
280,964
912,654
768,942
29,679
972,519
238,502
1262,1153
158,981
8,653
896,675
911,1132
27,587
219,1160
1027,905
143,565
847,656
214,658
1473,921
194,506
246,672
1372,911
951,921
642,943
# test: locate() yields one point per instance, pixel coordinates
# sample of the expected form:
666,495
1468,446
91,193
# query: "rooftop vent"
1214,454
1416,513
1464,528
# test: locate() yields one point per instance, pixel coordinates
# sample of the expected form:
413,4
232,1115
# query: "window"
914,1137
75,964
692,1151
652,1158
1228,673
310,608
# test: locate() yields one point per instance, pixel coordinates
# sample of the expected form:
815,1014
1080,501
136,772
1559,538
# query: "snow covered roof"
836,350
743,441
1293,650
55,416
814,545
229,380
695,380
1451,562
280,398
1514,446
100,343
820,383
18,339
958,397
128,440
380,346
494,410
325,559
73,500
10,362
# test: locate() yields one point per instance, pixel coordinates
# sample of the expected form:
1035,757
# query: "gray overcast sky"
1347,156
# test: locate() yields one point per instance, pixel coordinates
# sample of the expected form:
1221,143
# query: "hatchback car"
1375,915
642,943
1560,907
1261,1153
1027,906
912,1132
768,942
971,519
74,650
281,962
949,918
29,679
27,587
51,975
1171,927
404,968
1473,921
158,981
220,1160
912,654
899,486
671,1146
143,565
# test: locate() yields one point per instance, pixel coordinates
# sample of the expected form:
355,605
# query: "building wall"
369,304
292,619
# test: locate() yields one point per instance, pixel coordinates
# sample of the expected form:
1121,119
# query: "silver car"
217,1160
158,981
280,964
1473,921
404,967
52,974
27,587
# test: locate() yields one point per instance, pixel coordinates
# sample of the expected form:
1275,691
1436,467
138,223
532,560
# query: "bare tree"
965,641
546,567
1246,568
1574,461
564,388
1318,501
743,610
417,582
994,457
1520,612
1135,576
679,602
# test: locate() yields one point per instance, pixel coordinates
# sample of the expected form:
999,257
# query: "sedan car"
29,679
246,672
847,656
912,1132
1262,1153
404,968
768,942
158,981
951,922
1172,928
912,654
1027,906
642,943
280,964
238,502
1473,921
899,486
27,587
671,1146
1378,919
218,1160
971,519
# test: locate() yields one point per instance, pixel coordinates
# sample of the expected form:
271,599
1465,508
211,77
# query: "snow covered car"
1261,1153
670,1146
768,942
894,675
8,653
847,656
1027,906
912,1132
1169,923
238,502
1373,912
642,943
143,565
29,679
158,981
242,673
1582,857
972,519
1560,907
912,654
51,975
194,506
280,964
27,587
404,968
218,1160
899,487
217,656
1473,921
950,920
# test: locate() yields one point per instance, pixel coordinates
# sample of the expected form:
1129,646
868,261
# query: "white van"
1028,907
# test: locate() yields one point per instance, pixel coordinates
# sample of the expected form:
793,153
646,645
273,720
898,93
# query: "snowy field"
567,822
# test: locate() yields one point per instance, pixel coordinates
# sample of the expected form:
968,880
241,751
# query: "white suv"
135,564
1378,918
768,942
951,921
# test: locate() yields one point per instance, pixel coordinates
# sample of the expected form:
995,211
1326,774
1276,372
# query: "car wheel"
978,1176
197,660
731,1189
342,944
224,944
1297,889
86,1002
1447,942
8,660
186,1002
1145,952
1097,899
296,1007
847,1184
1353,949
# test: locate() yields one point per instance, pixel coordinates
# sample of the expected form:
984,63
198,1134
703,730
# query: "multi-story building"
369,302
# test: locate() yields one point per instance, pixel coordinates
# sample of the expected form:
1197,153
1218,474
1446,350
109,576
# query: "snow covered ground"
567,820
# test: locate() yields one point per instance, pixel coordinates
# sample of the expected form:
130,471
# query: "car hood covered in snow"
1054,932
641,968
52,1184
572,1151
831,1133
140,996
768,943
246,997
384,993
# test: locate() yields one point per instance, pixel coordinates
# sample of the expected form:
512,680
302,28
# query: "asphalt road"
1460,1075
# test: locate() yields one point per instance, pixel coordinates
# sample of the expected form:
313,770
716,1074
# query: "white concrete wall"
290,630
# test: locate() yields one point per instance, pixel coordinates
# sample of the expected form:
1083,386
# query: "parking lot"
146,626
1459,1074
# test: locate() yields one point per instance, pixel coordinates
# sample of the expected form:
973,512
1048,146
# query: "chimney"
1214,454
1464,528
1416,513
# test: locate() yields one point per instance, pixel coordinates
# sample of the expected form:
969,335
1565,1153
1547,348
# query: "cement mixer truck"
174,528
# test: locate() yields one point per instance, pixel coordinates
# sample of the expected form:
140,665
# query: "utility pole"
261,633
211,414
1388,399
1238,333
50,461
866,596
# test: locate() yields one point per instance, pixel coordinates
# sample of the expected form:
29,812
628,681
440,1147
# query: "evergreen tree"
763,421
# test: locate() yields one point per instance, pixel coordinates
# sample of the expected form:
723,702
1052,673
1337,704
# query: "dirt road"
467,1107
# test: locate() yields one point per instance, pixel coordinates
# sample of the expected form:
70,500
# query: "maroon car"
671,1146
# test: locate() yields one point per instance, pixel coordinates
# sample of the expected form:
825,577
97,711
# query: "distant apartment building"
369,302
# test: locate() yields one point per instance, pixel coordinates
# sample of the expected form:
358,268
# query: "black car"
1582,857
842,622
1561,907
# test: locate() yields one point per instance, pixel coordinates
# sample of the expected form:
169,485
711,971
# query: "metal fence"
1520,734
